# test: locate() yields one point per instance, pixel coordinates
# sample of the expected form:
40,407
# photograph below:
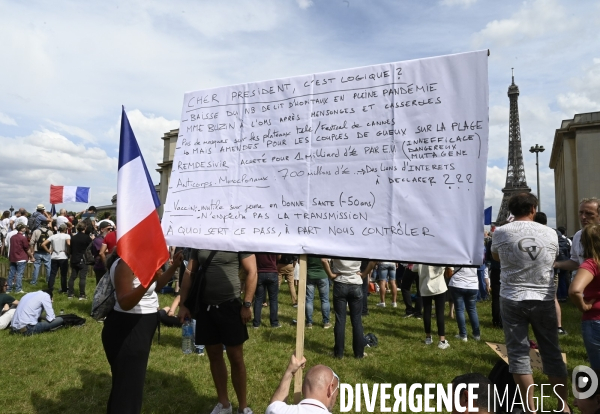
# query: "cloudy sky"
67,67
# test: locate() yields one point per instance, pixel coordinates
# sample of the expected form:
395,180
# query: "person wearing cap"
39,215
41,256
60,257
18,256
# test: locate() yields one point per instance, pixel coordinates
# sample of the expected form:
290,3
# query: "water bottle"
187,337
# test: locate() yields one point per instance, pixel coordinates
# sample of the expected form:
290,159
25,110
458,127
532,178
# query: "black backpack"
31,223
88,254
41,239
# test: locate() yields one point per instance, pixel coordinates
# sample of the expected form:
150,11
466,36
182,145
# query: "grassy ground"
66,371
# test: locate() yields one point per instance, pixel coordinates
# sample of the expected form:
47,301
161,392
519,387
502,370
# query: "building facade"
575,160
166,166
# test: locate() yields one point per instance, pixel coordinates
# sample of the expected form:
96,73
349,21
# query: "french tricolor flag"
140,240
68,194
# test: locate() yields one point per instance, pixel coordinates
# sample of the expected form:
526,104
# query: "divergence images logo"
529,246
584,382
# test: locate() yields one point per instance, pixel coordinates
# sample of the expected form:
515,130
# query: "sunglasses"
338,381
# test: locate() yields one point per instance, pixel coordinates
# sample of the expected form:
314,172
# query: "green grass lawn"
66,371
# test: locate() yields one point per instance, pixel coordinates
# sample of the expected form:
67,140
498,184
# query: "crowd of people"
526,273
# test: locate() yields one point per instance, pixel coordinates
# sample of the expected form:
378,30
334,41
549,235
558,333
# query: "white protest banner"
384,162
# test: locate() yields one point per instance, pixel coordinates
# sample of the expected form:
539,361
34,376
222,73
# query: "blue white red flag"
487,216
140,240
68,194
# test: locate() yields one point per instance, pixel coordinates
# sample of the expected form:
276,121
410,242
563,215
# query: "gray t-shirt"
222,275
527,252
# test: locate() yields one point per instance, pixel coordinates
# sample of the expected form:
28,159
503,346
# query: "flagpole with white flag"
140,240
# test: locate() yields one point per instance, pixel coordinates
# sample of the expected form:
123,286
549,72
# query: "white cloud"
586,94
75,131
534,20
148,131
31,163
304,4
7,120
464,3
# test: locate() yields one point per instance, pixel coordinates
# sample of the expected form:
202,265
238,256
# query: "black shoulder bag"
192,302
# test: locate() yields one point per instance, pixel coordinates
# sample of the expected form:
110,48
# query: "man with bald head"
320,389
589,213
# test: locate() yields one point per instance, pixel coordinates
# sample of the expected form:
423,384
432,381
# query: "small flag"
53,211
140,240
487,216
68,194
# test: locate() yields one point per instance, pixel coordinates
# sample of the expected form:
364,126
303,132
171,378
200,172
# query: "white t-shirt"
8,237
5,223
22,220
308,406
61,220
577,249
59,245
348,270
527,252
465,278
148,303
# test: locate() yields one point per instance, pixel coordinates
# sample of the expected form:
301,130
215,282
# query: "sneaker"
20,292
220,410
83,297
327,326
428,340
364,356
394,305
246,410
462,338
561,331
199,350
33,283
70,297
444,344
477,337
418,316
255,327
409,315
295,305
381,305
276,326
309,326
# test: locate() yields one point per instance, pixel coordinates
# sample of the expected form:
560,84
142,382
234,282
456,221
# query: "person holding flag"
135,272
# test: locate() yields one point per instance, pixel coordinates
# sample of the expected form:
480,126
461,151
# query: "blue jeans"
16,269
43,326
465,299
590,330
40,259
267,282
323,286
343,294
386,272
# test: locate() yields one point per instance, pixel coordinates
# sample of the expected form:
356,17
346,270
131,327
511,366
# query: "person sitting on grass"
168,314
26,320
7,305
320,389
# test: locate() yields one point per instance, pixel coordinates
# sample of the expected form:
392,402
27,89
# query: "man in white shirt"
589,213
21,218
29,310
60,257
526,251
320,389
63,219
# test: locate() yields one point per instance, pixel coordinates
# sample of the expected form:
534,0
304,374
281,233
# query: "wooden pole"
300,328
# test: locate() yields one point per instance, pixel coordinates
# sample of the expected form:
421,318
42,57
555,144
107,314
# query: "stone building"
166,166
575,160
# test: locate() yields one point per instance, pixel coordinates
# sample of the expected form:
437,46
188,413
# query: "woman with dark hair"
585,293
128,331
4,229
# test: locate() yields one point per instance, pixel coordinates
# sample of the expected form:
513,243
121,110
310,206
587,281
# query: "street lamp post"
537,149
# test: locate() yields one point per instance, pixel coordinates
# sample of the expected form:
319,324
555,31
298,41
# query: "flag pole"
300,327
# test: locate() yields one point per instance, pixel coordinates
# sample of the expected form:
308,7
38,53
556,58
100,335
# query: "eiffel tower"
515,170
